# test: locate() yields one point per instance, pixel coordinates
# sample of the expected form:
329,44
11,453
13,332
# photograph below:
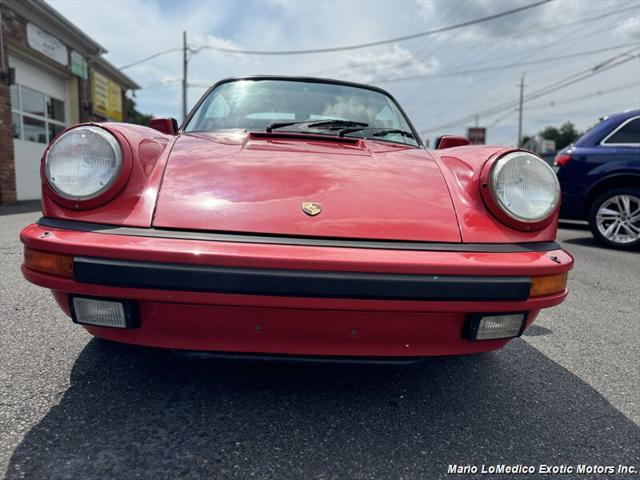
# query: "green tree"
132,115
563,136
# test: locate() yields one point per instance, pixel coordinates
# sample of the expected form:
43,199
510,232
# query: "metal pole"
184,75
520,111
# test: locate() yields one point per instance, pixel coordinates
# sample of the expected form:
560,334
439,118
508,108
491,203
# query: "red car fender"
115,189
496,210
132,199
462,168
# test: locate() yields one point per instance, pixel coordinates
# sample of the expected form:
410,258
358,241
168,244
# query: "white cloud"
628,29
388,61
427,8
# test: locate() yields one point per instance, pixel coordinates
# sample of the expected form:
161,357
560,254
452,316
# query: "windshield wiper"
335,124
329,124
379,132
393,131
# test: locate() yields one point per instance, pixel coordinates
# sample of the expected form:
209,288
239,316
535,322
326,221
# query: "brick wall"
11,29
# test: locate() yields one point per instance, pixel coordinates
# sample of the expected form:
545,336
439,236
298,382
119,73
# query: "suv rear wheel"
614,218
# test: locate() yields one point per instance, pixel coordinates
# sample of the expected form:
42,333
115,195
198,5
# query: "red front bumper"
276,324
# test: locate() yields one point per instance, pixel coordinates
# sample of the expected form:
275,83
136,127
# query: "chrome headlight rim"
499,163
109,189
118,154
496,206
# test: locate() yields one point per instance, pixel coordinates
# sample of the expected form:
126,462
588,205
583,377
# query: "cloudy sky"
442,80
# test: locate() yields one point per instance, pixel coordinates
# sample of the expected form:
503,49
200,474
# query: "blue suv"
600,180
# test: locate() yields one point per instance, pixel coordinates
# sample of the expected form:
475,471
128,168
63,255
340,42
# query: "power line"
570,80
570,35
475,45
508,65
194,50
151,57
365,45
492,67
496,122
582,74
584,77
379,42
489,68
425,46
590,95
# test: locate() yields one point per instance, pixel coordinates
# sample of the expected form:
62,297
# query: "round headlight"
524,187
83,163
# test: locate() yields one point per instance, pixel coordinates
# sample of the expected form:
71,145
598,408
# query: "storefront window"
35,116
34,130
15,99
55,109
32,102
15,123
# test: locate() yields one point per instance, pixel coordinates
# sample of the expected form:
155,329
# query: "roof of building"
46,17
43,15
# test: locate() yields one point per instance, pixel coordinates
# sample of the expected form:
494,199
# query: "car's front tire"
614,218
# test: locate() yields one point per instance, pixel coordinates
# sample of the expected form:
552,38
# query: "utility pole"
520,111
184,75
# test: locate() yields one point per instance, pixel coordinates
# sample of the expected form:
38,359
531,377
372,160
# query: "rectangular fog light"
104,313
492,326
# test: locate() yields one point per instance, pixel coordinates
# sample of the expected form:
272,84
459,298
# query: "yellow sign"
106,97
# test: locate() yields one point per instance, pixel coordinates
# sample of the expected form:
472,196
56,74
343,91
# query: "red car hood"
257,184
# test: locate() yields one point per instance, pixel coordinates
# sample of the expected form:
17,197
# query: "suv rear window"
628,134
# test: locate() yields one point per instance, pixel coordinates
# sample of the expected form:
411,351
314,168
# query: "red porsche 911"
295,216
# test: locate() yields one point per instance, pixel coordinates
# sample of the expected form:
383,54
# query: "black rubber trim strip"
295,358
302,135
298,283
299,241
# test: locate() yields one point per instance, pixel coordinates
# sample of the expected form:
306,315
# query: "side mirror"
448,141
165,125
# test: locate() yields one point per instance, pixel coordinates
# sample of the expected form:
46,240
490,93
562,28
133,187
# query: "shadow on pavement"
592,242
21,207
536,331
573,225
144,413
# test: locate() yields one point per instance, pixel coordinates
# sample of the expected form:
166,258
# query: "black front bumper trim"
299,283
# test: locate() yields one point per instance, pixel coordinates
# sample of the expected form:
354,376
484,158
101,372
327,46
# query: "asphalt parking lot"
568,392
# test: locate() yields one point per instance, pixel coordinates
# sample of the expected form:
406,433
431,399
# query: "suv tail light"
561,159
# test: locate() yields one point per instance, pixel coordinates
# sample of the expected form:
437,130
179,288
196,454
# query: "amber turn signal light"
46,262
548,284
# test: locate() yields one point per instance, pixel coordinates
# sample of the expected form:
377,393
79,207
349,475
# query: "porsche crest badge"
311,208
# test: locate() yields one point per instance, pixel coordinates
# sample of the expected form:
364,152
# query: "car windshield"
260,104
